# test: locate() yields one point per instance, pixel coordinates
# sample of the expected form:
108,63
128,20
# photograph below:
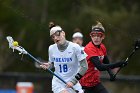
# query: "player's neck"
98,46
63,46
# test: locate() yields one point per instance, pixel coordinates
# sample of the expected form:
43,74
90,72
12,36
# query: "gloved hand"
123,64
111,74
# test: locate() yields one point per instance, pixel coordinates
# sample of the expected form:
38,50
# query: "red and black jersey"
92,75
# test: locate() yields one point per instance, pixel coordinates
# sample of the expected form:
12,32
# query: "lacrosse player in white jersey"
65,56
77,37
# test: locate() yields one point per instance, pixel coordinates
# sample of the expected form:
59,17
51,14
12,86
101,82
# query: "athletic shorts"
58,86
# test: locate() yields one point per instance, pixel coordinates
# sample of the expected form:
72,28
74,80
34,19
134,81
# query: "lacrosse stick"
137,46
14,45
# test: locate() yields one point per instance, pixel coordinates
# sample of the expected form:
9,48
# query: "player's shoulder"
89,45
52,46
74,45
102,46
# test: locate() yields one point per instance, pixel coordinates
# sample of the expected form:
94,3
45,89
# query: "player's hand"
45,65
69,84
124,64
111,74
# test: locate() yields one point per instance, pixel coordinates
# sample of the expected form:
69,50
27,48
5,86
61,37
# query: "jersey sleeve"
80,53
50,52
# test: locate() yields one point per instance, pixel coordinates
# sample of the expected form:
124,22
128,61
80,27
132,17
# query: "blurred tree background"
27,22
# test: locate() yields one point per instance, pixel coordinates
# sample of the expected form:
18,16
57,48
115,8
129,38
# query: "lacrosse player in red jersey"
97,61
65,57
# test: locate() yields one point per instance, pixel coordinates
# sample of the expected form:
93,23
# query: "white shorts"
58,86
78,87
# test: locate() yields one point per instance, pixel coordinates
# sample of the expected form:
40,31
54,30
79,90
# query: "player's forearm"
83,67
82,71
103,67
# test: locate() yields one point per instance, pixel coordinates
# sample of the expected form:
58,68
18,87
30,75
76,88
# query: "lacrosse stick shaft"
23,51
36,60
125,61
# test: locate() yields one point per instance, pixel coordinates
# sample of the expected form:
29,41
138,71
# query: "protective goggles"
56,34
96,34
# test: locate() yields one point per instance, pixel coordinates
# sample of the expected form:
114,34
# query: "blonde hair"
98,25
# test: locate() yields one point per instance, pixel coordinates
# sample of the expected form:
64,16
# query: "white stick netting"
18,48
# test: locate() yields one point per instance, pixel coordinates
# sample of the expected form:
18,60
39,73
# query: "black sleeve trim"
78,76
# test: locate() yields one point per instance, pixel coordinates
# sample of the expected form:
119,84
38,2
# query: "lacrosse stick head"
137,44
10,41
15,46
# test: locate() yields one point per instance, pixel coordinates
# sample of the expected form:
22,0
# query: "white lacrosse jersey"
82,47
66,62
